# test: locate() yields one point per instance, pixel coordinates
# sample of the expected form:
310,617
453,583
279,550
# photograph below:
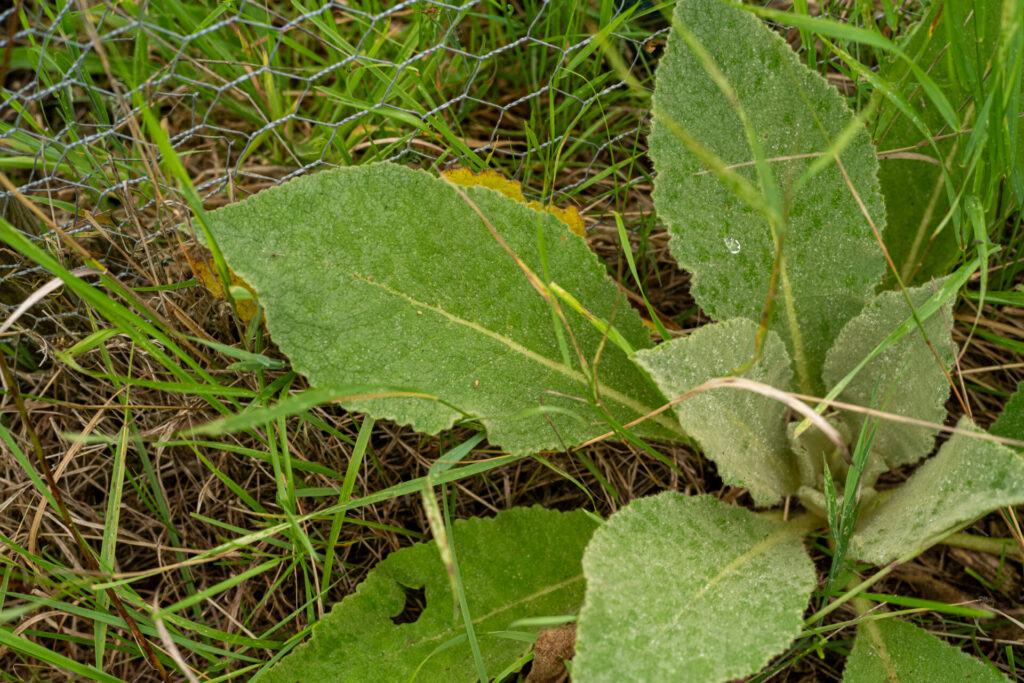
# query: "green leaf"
523,563
741,431
910,380
683,588
385,276
968,478
808,449
1010,422
893,650
832,261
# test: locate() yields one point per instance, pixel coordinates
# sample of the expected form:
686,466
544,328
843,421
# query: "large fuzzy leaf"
686,588
911,179
893,650
910,380
832,260
523,563
968,478
384,276
742,432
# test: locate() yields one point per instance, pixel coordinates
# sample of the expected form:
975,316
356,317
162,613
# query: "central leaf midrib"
530,354
782,535
739,424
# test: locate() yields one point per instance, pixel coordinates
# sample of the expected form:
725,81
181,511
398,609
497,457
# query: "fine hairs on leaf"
741,431
399,302
910,381
967,478
734,587
831,260
892,649
523,563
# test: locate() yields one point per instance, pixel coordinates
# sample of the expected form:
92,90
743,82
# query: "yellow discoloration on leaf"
569,215
201,263
489,179
514,190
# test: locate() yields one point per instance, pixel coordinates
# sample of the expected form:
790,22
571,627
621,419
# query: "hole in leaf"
415,601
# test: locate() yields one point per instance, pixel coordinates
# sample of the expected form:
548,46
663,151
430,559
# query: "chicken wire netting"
251,94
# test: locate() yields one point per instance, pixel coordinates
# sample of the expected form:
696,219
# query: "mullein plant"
412,298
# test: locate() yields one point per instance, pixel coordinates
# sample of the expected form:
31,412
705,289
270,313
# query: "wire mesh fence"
251,94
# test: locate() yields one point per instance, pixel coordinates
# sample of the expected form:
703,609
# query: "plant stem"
993,546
